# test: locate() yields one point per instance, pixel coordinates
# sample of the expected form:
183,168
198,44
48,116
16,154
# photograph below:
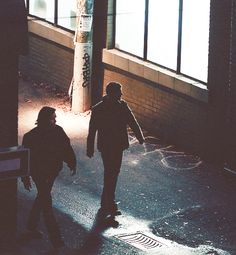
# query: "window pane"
67,14
130,26
43,9
194,58
163,32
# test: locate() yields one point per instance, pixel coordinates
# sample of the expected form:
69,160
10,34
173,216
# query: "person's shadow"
94,240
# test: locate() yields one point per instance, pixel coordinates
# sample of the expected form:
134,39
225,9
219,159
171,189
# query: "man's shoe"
116,212
102,213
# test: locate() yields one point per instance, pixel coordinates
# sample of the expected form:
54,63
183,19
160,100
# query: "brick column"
8,138
230,157
13,42
218,78
99,41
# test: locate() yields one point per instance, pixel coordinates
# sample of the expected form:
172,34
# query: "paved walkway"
172,203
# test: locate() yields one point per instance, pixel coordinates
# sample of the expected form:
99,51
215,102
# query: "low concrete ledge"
156,74
50,32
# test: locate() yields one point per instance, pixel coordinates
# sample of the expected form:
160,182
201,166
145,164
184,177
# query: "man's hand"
27,183
90,153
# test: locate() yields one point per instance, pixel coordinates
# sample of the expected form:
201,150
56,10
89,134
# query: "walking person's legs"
34,218
43,203
35,212
112,163
48,215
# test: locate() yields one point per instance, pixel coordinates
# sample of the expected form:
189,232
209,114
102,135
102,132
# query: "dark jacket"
110,121
49,147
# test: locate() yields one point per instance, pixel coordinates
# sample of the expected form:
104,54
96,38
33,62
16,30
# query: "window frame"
55,18
179,40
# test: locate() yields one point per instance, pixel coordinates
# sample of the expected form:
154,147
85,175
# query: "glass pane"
194,58
130,26
43,9
67,14
163,32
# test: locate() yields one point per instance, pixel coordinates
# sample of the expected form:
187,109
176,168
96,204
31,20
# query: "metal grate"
141,241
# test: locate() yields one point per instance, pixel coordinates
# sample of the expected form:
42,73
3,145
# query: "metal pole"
81,82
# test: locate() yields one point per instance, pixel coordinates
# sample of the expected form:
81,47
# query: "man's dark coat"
110,120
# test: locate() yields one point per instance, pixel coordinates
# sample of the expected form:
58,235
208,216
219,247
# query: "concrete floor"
172,201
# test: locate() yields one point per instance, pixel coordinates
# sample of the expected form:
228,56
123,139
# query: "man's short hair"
113,87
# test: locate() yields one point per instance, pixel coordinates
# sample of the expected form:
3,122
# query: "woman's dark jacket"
49,147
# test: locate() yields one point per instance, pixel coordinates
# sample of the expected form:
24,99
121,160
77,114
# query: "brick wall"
176,118
48,62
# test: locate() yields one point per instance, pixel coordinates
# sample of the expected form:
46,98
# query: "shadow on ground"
77,239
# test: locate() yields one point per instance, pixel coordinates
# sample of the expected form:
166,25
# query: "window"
67,14
195,35
171,33
43,9
130,21
54,11
163,32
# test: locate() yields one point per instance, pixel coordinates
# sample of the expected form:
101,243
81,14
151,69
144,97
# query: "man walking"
110,119
49,147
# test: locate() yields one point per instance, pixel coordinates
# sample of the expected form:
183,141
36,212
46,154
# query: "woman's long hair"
44,116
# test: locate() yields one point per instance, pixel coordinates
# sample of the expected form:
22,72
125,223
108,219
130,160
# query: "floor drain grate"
141,241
